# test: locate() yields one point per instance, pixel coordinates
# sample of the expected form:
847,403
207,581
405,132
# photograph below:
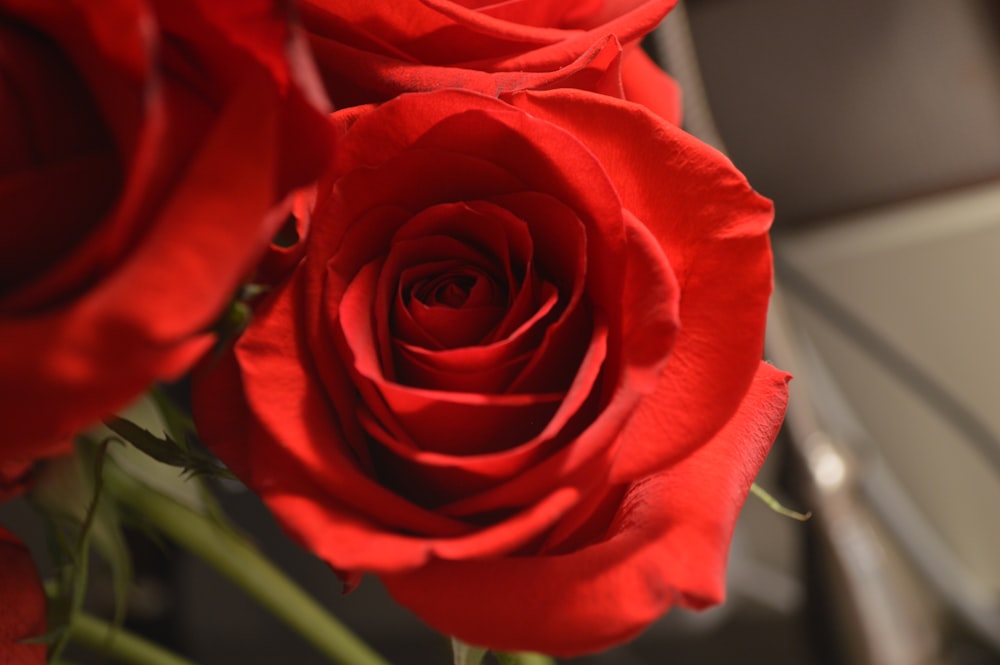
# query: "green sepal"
173,481
237,316
166,450
776,505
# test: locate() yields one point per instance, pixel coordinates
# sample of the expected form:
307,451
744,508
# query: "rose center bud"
460,306
456,307
454,293
58,171
450,291
454,290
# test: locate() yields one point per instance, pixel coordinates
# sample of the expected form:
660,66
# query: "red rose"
143,145
372,51
22,612
517,374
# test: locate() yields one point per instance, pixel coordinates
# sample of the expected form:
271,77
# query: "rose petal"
462,486
626,19
722,319
649,336
649,331
37,237
537,14
598,69
339,537
380,49
270,437
470,370
666,546
289,450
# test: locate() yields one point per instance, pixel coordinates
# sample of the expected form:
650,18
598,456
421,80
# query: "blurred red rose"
372,51
144,145
517,374
22,612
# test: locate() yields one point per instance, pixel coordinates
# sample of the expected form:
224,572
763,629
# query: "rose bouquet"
489,326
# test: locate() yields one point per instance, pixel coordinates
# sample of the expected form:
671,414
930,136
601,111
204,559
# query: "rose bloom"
143,146
517,374
372,51
22,612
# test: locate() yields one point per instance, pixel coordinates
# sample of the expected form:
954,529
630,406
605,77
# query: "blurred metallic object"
674,46
884,622
915,404
875,126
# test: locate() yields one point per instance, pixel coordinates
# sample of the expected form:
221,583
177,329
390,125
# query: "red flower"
22,612
372,51
143,145
517,374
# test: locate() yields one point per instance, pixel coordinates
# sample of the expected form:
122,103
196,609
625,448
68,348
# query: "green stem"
247,568
118,644
532,659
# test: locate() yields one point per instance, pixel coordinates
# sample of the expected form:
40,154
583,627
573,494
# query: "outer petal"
22,612
667,545
712,226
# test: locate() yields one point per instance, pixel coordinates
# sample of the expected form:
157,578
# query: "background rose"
518,372
373,51
143,146
22,612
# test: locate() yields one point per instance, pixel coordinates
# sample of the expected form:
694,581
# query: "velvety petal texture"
665,543
373,51
517,373
22,612
146,151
